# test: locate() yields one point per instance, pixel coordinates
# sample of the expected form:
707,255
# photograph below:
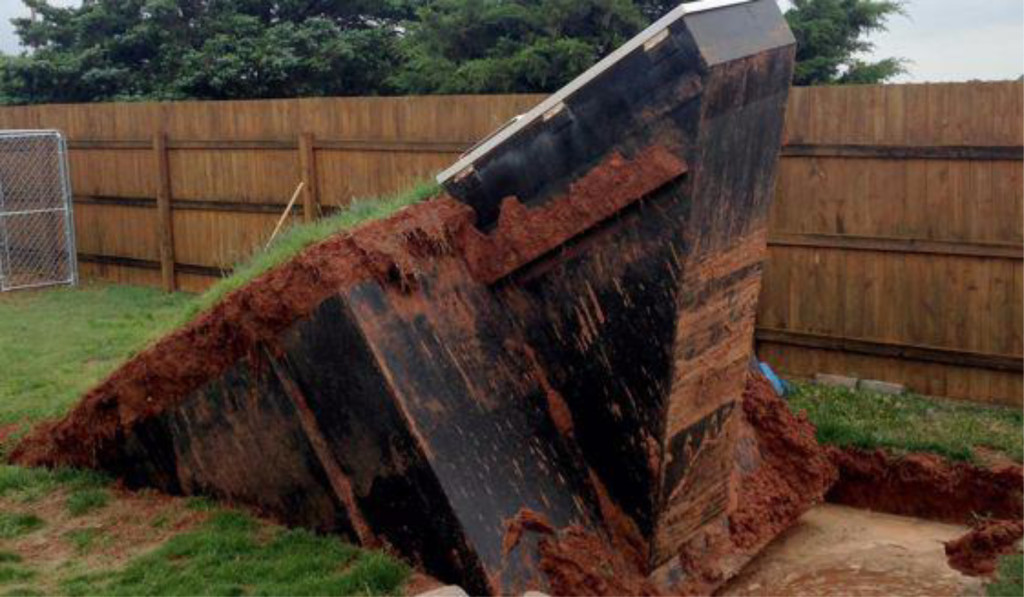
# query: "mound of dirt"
977,553
577,562
795,470
926,486
781,472
156,379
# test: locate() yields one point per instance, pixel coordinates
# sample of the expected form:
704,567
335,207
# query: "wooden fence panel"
896,245
227,175
896,233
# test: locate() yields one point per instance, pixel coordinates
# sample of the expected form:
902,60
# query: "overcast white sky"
945,40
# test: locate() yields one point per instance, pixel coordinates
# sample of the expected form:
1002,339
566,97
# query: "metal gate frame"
65,208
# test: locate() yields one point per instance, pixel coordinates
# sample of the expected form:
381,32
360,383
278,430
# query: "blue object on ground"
780,385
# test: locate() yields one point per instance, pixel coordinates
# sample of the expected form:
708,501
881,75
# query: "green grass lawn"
910,423
55,344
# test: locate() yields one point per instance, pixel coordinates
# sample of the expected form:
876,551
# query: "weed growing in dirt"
296,238
86,500
232,554
83,539
160,521
200,503
15,524
1009,578
909,423
55,344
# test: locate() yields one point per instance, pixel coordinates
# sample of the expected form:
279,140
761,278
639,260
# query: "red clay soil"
524,234
927,486
977,552
576,562
793,473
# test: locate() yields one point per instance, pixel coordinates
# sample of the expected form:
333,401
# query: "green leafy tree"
166,49
830,36
508,46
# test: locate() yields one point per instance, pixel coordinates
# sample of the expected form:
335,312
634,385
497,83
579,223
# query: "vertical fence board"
165,219
307,165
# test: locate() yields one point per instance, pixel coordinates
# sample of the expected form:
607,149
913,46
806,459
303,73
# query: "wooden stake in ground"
287,210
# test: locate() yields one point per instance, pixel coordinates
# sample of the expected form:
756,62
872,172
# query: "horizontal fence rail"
896,245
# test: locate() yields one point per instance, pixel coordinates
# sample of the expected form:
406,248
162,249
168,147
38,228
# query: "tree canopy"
166,49
493,46
107,50
832,36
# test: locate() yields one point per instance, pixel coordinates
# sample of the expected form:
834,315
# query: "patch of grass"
8,557
14,574
16,524
55,344
1009,578
30,484
909,423
228,555
201,504
294,239
160,521
83,539
18,480
83,501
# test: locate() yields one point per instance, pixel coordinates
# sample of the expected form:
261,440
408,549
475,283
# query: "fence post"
165,216
310,191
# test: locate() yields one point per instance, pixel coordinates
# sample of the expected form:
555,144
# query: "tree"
167,49
830,35
226,49
510,46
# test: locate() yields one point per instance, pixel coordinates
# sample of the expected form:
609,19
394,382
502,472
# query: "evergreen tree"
225,49
509,46
831,34
166,49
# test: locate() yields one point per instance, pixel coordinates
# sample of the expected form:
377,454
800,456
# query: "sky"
943,40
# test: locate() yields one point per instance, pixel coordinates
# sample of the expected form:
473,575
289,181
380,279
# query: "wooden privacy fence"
896,238
896,246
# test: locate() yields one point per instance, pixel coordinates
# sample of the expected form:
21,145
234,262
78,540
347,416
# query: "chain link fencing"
37,243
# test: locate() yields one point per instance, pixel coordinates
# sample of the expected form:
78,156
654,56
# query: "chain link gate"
37,238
